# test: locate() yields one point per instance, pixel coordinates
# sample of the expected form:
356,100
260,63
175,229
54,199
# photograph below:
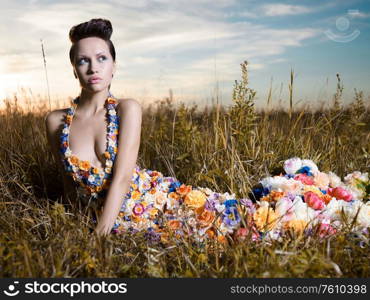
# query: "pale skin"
88,130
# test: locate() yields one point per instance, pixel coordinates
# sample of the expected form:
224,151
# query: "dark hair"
101,28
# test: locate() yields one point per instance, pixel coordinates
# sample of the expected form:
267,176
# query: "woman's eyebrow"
83,55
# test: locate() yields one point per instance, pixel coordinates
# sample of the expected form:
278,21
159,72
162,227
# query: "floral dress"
304,200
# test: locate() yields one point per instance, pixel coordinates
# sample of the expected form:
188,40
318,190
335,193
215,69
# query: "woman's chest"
88,139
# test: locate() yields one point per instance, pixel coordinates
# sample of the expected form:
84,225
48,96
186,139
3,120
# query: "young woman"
95,143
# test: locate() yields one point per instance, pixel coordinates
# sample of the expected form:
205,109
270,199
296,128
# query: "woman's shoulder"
128,104
54,118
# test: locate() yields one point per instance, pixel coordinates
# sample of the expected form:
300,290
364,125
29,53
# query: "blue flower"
230,203
231,216
305,170
260,192
174,185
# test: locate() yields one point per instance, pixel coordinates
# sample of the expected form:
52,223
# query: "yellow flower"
265,218
296,225
314,189
95,170
195,199
135,195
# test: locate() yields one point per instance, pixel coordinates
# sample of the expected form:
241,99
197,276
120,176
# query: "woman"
98,157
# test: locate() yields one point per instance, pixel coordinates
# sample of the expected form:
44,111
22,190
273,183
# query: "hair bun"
95,27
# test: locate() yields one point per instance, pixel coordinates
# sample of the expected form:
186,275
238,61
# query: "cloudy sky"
193,47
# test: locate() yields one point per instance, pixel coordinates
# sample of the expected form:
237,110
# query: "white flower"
74,168
281,183
68,152
91,178
130,203
220,207
309,163
363,217
334,179
292,165
109,163
302,211
112,112
111,142
66,130
108,170
356,175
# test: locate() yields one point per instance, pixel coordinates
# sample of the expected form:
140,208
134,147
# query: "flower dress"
304,200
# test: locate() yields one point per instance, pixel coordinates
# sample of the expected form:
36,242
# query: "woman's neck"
90,104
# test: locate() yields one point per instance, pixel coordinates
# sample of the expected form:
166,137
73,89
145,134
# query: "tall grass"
228,149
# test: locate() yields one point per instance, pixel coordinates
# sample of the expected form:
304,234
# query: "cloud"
159,44
279,9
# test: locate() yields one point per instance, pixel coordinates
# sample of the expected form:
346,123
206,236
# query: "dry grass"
225,149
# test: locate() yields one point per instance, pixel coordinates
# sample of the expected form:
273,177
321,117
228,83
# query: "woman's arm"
130,113
52,124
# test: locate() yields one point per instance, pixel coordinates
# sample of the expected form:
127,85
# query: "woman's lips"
92,81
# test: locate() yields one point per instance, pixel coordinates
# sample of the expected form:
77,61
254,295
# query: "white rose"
292,165
334,179
309,163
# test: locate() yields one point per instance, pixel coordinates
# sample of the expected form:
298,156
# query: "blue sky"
193,46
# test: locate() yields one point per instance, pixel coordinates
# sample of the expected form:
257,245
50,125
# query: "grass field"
228,149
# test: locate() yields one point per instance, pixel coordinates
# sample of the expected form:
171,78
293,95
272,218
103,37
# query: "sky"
194,48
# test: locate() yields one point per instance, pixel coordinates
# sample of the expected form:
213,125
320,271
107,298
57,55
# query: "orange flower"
107,154
65,144
98,188
84,165
274,196
121,214
222,239
134,186
115,149
174,224
68,119
73,159
173,195
195,199
184,189
327,198
95,170
153,191
205,217
111,100
211,233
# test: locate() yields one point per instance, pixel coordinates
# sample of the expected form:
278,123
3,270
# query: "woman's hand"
101,231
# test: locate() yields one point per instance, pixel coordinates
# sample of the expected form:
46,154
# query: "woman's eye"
103,57
79,62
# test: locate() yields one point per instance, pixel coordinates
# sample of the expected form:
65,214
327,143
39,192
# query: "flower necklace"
93,179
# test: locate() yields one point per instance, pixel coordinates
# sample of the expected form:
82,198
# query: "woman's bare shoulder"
128,104
54,118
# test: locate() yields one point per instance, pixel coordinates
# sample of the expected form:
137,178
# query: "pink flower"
304,178
138,209
313,200
242,233
324,230
340,193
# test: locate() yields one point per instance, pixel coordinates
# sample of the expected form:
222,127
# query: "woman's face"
93,59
